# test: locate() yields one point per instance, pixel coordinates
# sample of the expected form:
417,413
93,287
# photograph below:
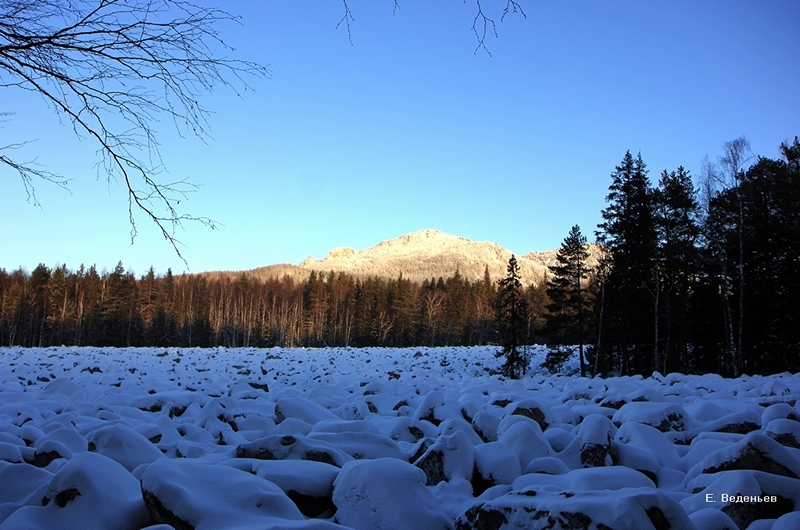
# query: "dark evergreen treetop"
627,226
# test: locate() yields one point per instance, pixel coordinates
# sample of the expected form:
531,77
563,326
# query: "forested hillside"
691,280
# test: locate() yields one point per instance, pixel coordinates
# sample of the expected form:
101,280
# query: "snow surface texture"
384,439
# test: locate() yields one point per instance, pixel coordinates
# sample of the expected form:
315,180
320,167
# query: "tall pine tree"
569,309
512,321
631,294
676,212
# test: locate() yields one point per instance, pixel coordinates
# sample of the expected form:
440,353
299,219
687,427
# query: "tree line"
85,307
692,279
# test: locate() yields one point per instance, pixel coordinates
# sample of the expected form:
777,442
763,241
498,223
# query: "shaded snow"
383,439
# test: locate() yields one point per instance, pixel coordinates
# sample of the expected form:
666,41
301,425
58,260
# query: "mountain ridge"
419,255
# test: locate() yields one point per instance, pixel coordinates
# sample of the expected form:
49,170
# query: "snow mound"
88,492
625,509
386,494
384,438
183,492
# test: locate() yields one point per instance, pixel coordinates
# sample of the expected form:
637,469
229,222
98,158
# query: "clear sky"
407,128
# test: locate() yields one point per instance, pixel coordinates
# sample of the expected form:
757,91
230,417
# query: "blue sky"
407,128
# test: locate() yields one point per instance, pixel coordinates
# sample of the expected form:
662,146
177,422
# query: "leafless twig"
482,25
112,68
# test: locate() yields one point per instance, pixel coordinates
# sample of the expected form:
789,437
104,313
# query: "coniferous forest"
696,277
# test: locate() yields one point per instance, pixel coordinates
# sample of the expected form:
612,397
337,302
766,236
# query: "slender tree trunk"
580,324
656,302
600,325
739,364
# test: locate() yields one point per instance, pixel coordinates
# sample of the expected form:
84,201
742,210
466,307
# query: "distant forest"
692,280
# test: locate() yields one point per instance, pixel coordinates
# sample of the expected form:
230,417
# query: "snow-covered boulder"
125,445
451,425
450,457
434,408
589,447
302,409
494,464
744,495
650,439
49,451
586,479
21,485
790,521
784,431
533,409
308,484
663,416
89,492
711,519
278,447
386,494
66,436
626,509
757,452
548,465
407,429
189,494
526,440
360,444
485,424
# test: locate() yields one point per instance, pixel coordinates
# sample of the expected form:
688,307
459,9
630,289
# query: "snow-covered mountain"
421,255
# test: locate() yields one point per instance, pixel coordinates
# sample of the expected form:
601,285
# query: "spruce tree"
631,302
568,311
37,304
118,311
676,213
512,320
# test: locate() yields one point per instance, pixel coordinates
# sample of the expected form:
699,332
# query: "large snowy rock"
711,519
784,431
65,436
626,509
281,447
485,425
533,409
585,479
589,447
89,492
125,445
526,440
435,408
663,416
790,521
450,457
744,495
406,429
21,485
494,464
648,438
386,494
360,444
302,409
188,494
757,452
308,484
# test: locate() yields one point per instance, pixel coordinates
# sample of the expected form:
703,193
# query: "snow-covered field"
104,438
